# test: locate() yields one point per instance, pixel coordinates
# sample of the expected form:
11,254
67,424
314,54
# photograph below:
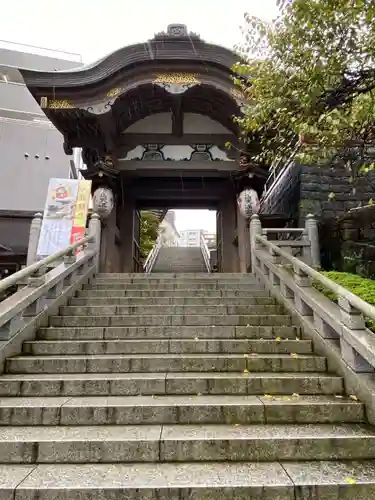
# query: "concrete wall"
30,152
14,232
25,56
16,98
24,180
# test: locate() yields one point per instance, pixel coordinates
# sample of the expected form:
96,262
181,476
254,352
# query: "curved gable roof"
177,44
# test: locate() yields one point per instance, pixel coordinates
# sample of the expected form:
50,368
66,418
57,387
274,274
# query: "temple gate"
153,121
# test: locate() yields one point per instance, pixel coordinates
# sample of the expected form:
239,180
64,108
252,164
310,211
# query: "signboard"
65,214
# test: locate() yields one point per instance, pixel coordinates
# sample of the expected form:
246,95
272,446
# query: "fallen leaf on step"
338,396
247,326
261,338
236,425
199,394
353,397
278,339
295,395
350,480
297,338
267,396
294,355
196,338
246,371
213,326
245,355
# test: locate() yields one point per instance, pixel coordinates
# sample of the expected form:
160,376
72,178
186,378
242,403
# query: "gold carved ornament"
176,78
114,92
59,104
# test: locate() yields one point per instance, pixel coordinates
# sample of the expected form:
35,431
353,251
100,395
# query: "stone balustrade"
152,256
342,324
205,252
48,281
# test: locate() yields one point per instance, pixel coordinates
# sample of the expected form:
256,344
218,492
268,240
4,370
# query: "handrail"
340,323
45,284
364,307
152,256
28,271
205,252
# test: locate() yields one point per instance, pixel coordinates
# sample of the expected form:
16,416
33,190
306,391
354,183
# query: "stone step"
160,310
177,284
173,276
165,346
187,292
168,332
159,383
185,443
174,301
204,409
245,286
128,363
315,480
173,320
193,277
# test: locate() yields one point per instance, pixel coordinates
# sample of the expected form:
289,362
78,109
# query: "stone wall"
329,193
351,242
347,241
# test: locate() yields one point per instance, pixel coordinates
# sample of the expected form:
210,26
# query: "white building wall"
31,148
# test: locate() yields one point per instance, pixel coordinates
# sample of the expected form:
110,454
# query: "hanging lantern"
248,202
103,201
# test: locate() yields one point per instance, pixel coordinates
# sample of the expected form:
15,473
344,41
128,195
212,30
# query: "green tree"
309,79
149,227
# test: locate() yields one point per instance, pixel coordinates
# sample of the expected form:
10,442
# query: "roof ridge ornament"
176,31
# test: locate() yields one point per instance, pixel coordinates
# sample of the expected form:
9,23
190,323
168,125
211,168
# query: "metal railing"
205,252
341,322
46,279
277,170
152,256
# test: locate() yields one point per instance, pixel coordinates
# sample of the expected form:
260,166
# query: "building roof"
176,44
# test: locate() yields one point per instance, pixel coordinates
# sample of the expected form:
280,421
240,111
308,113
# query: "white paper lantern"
103,201
248,202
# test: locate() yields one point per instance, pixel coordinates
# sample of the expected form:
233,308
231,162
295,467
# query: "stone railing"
152,256
48,283
205,252
342,324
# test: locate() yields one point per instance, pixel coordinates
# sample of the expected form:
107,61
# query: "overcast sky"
95,28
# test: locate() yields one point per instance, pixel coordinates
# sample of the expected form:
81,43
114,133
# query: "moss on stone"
363,287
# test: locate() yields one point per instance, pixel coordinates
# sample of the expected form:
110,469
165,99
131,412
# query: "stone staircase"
178,387
179,259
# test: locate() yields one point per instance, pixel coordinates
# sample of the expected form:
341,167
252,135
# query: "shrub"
363,287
